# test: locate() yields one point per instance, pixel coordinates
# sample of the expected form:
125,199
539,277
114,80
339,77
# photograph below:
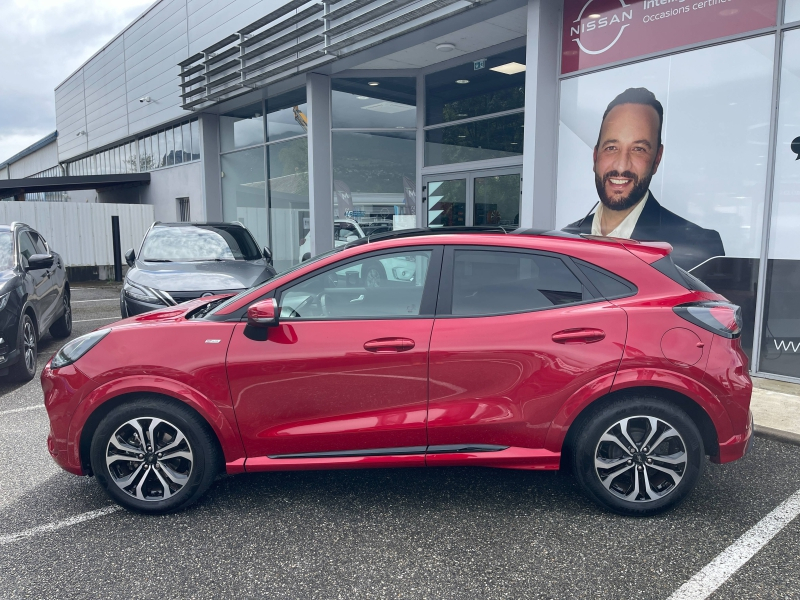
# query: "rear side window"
665,266
609,285
498,282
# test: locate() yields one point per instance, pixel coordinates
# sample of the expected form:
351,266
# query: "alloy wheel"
373,278
641,459
149,459
29,345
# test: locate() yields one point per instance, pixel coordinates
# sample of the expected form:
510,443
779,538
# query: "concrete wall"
167,185
35,162
102,96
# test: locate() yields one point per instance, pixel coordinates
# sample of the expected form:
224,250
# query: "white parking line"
719,570
97,300
87,516
103,319
19,410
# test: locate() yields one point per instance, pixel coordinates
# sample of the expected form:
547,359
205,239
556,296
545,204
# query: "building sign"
599,32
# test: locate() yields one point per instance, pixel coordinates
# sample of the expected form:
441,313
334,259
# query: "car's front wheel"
154,455
638,456
25,368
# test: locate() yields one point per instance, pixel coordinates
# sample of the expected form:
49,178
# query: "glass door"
490,197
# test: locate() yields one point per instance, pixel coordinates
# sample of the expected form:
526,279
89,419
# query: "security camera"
144,99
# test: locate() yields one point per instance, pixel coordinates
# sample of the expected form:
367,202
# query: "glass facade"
265,185
170,146
792,13
706,190
373,154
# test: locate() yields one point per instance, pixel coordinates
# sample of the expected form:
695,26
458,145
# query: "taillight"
722,318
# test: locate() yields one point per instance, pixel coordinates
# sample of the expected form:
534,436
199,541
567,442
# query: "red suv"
525,350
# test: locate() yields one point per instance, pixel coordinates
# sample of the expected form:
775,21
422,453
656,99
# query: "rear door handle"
579,336
385,345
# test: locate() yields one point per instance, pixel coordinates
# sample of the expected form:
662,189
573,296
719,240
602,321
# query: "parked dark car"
183,261
34,297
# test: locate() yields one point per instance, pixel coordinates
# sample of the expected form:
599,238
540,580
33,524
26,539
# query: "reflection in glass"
244,196
497,87
374,175
447,203
288,200
241,128
176,131
187,142
792,13
500,137
170,152
199,243
497,200
287,115
195,126
780,340
355,103
162,148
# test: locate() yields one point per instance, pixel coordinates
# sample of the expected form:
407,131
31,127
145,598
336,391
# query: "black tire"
62,327
25,368
197,458
373,274
615,487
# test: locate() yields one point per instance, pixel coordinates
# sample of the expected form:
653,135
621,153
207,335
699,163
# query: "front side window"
26,247
194,243
499,282
382,286
38,243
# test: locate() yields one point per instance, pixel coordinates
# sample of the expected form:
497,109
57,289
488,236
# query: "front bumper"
131,308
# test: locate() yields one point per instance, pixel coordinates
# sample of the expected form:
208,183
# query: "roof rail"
404,233
19,224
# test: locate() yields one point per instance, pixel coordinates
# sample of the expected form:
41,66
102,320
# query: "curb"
777,435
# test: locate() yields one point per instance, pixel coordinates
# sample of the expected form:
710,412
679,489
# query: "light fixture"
80,133
145,99
594,16
445,47
462,81
462,114
362,97
373,83
511,68
462,136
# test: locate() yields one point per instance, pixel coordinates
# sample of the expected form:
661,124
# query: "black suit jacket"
691,243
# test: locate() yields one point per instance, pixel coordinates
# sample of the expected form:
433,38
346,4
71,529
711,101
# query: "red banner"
599,32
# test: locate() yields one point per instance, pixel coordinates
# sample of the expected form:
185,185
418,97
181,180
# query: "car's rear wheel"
62,327
154,455
638,456
25,368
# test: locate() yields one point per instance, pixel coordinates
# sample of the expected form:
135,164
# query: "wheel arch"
696,412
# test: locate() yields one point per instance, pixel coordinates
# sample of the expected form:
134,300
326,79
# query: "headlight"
77,348
4,300
141,292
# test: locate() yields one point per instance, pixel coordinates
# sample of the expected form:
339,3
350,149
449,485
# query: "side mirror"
351,238
40,261
263,314
268,255
130,257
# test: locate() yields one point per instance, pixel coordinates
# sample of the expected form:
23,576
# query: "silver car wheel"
373,278
29,345
149,458
641,459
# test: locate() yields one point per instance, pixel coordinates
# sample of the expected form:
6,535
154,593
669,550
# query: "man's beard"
637,193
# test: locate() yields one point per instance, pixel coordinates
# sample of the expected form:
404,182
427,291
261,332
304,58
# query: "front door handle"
579,336
384,345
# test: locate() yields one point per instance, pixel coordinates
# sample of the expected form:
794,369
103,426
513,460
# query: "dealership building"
311,121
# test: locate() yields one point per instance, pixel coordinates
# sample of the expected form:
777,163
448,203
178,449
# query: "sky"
43,42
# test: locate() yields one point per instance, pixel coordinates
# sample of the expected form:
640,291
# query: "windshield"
6,251
192,243
235,298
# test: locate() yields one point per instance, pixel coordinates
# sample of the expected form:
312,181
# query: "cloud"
44,41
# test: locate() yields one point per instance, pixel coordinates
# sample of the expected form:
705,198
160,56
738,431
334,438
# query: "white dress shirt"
624,229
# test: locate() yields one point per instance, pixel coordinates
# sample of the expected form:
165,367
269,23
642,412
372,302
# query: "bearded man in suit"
627,155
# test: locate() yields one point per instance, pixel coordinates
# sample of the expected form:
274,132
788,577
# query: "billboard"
600,32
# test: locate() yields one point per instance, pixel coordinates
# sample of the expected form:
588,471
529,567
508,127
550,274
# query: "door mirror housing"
40,261
267,255
263,314
130,257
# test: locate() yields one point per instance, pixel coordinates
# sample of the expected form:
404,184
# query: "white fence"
80,231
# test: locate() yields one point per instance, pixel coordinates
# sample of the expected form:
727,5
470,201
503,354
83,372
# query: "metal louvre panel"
268,50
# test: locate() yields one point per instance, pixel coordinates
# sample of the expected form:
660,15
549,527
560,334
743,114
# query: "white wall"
81,233
167,185
35,162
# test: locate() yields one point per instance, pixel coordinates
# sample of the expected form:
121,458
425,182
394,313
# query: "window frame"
430,291
444,306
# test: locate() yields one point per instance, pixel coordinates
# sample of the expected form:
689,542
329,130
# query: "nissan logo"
206,295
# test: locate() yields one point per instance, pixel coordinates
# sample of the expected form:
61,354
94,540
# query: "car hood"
7,280
201,276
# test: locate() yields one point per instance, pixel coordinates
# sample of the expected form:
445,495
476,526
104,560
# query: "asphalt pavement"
405,533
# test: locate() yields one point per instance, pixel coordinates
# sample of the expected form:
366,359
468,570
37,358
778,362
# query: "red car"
516,350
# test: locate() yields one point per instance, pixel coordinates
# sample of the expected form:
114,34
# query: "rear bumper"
737,446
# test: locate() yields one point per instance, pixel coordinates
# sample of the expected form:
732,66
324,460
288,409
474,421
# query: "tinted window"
388,285
38,243
492,282
26,246
610,286
6,251
198,243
